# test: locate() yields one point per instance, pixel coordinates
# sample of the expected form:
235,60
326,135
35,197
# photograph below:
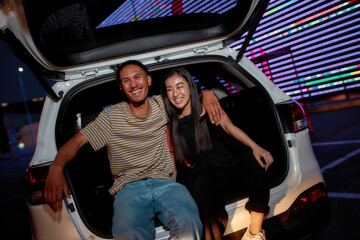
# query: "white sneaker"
248,236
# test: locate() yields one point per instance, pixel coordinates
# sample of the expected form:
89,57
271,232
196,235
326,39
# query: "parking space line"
335,143
344,195
340,160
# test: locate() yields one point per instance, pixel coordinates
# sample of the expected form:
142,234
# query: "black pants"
209,183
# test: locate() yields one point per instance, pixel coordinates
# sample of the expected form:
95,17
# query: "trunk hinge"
254,20
201,51
89,73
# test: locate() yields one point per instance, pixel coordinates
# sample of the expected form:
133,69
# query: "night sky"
10,91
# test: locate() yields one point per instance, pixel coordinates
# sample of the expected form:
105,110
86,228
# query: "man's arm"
56,184
212,106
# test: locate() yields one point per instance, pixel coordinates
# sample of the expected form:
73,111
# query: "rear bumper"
300,220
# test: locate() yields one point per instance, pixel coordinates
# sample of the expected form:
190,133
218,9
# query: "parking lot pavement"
336,144
14,216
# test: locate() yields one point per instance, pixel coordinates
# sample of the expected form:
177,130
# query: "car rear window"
72,32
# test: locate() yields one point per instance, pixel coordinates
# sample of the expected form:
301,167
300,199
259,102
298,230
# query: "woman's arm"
242,137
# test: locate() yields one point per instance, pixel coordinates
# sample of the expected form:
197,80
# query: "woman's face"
178,92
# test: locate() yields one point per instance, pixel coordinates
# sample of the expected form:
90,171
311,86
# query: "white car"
78,43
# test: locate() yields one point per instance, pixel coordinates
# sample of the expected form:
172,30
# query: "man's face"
134,83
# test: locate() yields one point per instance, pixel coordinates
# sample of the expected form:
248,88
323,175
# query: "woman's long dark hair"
202,136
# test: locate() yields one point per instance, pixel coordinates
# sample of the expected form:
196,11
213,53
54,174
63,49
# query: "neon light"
322,30
283,17
353,86
328,61
328,73
327,55
278,8
289,88
284,78
215,6
275,61
131,11
328,91
332,66
294,30
225,9
206,7
323,13
197,6
352,80
332,78
281,85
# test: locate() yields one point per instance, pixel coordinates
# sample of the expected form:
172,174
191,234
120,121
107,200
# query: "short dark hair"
119,67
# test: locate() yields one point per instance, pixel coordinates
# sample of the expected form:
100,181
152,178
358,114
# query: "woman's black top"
209,162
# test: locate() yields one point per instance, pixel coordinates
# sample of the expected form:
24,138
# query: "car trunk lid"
64,40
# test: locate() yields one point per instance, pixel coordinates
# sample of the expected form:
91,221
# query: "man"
134,133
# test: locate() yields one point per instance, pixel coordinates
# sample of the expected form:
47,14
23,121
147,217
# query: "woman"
203,160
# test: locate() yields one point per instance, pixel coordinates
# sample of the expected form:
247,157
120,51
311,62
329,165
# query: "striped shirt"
137,147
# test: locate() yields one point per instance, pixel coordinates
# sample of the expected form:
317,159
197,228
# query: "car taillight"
34,183
293,115
298,116
308,198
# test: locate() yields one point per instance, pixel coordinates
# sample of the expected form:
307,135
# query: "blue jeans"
137,204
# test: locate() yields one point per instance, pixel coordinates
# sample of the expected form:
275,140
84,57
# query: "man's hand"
212,106
55,186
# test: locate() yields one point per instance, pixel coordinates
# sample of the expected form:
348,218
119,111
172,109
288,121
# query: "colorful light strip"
325,12
288,15
317,21
275,42
131,11
295,26
326,85
230,88
294,30
332,78
284,81
279,8
325,28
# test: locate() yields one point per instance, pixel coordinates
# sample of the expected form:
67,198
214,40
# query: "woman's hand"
263,157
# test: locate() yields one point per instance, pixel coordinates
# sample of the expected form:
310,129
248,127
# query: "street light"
26,105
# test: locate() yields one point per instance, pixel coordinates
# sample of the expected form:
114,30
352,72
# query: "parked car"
76,44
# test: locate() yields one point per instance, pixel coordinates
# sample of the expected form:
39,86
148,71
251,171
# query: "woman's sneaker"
248,236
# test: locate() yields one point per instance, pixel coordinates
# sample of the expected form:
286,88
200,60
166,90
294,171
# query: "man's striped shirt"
137,147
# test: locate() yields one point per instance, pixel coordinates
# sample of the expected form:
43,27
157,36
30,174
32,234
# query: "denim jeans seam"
177,226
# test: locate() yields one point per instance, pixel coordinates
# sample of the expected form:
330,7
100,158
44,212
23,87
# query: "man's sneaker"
248,236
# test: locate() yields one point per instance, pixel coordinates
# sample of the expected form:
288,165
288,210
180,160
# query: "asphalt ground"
336,143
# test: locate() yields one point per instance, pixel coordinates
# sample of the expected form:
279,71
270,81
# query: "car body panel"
49,225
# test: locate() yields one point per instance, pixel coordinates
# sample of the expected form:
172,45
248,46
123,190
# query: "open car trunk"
244,100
